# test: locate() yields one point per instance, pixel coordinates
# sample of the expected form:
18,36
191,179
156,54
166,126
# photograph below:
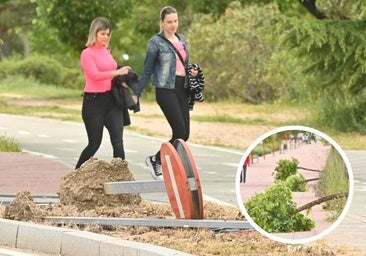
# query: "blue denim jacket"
160,62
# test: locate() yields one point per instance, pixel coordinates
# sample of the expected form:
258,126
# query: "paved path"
351,230
27,172
63,141
55,145
259,177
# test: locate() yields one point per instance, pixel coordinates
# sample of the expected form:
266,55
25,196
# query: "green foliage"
333,54
358,114
343,9
296,183
251,51
217,7
261,150
15,21
8,144
286,171
285,168
273,210
213,7
43,69
234,53
72,18
1,51
26,88
333,48
334,179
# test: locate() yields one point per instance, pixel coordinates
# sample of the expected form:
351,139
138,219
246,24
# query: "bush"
43,69
273,210
286,168
237,72
359,116
296,183
8,144
259,151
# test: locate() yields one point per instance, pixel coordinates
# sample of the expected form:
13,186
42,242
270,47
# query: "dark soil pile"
84,186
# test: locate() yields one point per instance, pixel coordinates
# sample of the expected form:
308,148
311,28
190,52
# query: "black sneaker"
155,167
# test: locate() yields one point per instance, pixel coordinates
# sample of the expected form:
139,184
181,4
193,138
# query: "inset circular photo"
294,184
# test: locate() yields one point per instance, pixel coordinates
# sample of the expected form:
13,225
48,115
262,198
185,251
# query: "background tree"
332,55
15,22
66,24
71,18
234,52
304,52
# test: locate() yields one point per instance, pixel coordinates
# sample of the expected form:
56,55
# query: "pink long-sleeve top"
97,64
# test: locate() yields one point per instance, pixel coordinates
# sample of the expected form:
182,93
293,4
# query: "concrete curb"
62,241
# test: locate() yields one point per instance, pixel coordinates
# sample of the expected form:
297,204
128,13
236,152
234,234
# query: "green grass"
26,97
8,144
224,118
31,89
19,95
334,179
45,111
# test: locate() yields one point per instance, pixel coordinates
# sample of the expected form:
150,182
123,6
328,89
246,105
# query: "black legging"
174,104
99,110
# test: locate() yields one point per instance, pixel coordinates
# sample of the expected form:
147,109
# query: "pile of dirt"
23,208
84,187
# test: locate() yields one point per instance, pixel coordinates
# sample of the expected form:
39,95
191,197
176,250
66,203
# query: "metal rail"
183,223
134,187
39,198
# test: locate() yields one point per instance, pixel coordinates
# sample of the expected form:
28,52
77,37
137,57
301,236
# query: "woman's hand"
121,71
135,99
124,70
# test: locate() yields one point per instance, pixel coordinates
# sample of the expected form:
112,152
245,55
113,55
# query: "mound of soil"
23,208
84,187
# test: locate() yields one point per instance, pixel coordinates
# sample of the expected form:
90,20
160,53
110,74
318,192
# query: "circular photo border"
307,239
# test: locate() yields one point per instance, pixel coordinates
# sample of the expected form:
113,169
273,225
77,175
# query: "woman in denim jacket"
169,79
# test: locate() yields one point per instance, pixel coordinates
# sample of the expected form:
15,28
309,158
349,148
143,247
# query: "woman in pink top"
99,108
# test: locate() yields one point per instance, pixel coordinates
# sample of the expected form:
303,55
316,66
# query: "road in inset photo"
294,185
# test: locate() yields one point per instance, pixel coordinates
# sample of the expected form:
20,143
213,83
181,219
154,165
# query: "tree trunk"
26,45
306,169
4,36
319,201
310,5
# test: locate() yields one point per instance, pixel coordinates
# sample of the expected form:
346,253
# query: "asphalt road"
63,141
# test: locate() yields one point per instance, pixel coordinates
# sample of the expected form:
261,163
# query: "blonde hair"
97,25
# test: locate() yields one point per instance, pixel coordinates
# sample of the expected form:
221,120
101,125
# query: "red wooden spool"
181,180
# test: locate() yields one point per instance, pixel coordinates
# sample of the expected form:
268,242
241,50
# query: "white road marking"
23,132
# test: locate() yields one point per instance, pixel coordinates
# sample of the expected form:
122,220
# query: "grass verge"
8,144
334,179
23,97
